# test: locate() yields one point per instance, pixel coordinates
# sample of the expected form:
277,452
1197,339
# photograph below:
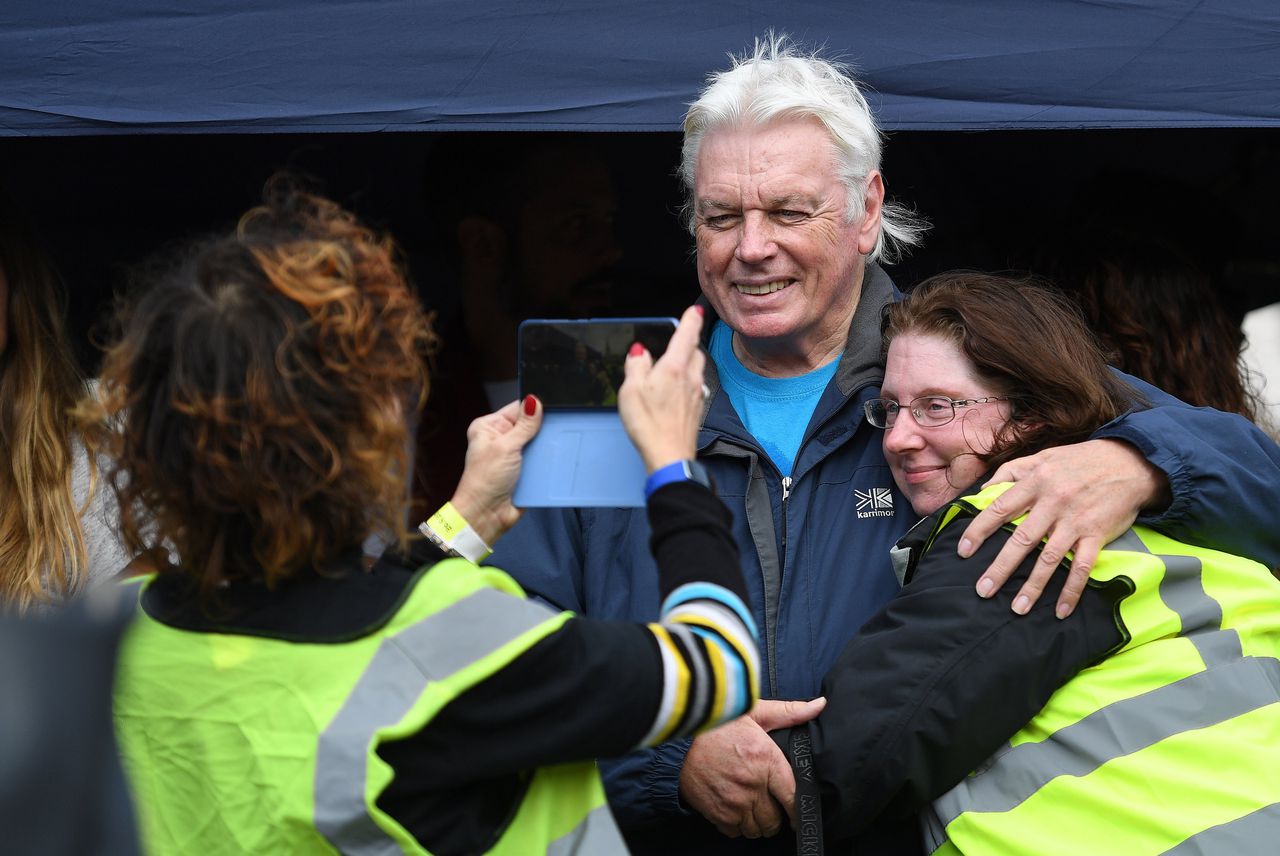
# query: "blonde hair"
42,543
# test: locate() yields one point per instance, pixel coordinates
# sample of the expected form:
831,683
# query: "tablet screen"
578,365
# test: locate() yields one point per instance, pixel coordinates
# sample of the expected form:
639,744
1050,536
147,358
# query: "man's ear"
872,205
482,241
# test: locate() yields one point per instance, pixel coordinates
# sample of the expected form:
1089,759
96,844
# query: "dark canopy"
204,66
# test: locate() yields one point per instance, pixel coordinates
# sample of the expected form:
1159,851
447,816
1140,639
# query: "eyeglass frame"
910,407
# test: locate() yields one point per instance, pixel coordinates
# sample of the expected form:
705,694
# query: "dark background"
998,200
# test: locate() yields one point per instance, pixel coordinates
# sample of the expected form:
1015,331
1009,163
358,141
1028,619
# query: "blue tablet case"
581,459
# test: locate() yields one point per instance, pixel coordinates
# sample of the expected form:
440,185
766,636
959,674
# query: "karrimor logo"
877,502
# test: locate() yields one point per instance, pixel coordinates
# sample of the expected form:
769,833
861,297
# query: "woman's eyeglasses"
929,411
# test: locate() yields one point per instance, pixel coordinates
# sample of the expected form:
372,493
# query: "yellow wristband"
451,531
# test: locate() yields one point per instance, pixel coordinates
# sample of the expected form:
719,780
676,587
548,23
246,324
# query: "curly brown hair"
1029,342
260,396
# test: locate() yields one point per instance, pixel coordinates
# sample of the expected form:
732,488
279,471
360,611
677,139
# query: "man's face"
776,257
565,246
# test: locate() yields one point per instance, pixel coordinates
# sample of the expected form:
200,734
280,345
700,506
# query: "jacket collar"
861,358
861,361
343,604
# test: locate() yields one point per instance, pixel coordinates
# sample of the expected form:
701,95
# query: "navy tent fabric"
215,66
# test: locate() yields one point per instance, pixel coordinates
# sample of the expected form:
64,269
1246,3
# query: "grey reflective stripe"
596,834
1129,542
1258,832
1119,729
430,650
1183,591
931,829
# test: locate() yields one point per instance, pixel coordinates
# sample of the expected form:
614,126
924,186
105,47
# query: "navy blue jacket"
815,547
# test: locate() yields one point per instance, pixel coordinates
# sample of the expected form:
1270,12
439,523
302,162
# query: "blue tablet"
582,456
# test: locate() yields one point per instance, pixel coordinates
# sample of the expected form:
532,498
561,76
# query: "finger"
1008,505
1083,560
638,364
528,419
684,341
1049,556
771,714
1025,538
764,820
782,787
1009,471
497,422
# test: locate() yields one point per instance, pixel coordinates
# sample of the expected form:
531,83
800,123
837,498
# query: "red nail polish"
530,405
636,350
702,310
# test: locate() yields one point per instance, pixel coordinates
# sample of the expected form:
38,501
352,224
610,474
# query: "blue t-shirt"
776,410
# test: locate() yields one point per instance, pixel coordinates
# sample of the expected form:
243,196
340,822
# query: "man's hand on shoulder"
1080,497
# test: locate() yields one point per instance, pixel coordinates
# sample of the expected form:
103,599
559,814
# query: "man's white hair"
777,80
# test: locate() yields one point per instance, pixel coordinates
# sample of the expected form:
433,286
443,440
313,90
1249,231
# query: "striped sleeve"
710,661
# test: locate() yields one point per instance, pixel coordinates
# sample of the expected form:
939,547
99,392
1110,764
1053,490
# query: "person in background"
273,696
787,205
57,525
1039,736
528,230
1158,316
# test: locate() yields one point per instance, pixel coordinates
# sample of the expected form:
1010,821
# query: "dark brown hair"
1161,320
261,393
1027,341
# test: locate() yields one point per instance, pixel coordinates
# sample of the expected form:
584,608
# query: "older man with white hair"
781,161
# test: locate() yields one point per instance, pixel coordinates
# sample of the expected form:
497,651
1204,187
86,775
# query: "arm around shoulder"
1223,473
936,681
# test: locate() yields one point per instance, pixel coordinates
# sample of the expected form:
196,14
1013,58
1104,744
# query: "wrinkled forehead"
783,156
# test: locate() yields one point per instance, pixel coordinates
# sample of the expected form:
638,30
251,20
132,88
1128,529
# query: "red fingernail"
636,350
530,405
702,310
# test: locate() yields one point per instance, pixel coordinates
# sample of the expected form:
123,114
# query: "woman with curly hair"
273,696
57,528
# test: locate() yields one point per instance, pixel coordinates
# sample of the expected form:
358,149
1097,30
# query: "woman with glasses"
1147,721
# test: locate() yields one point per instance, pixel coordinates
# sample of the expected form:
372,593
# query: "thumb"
770,715
528,421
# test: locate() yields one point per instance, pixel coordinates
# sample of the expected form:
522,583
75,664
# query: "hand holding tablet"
582,456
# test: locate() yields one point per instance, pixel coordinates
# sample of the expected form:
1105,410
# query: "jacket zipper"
786,494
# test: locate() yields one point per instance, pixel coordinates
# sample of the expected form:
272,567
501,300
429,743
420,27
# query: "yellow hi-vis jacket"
1169,745
239,744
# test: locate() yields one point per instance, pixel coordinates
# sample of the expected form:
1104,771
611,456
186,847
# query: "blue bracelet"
677,472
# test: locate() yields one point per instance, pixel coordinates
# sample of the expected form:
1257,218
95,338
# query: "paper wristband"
455,533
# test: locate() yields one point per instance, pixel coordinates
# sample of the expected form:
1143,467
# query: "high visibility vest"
1169,745
242,744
